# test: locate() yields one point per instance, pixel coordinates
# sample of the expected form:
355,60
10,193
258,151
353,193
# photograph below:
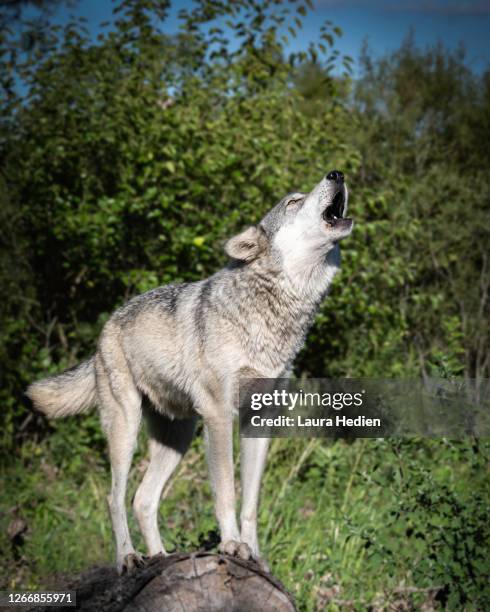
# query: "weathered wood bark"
194,582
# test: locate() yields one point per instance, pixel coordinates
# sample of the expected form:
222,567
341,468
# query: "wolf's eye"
293,203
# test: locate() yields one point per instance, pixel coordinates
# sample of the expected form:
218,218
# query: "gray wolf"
186,346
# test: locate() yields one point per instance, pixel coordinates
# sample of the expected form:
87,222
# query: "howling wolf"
185,347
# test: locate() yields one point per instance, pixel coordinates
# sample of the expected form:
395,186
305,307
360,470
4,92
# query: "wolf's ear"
248,245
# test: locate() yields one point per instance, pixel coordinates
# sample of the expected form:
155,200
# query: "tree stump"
183,582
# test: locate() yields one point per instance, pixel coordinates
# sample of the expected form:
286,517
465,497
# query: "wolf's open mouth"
335,210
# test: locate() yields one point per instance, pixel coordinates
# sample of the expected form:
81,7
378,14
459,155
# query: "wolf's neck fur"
303,285
272,309
314,281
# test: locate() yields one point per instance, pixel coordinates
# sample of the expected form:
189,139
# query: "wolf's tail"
71,392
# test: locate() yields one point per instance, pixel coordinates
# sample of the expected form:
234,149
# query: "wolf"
185,347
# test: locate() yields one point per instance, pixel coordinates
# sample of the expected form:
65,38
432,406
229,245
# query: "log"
190,582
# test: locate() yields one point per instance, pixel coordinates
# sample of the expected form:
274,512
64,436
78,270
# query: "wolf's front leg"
219,451
252,463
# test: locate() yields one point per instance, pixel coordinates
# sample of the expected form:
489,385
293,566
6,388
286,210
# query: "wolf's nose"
336,176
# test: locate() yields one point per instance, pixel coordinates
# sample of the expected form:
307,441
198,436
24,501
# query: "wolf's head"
301,230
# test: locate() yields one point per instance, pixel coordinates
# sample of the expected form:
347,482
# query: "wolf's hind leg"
120,408
168,442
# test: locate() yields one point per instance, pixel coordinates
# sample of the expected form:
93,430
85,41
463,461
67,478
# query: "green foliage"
130,160
128,165
433,112
382,523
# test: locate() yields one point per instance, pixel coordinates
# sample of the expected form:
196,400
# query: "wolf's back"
71,392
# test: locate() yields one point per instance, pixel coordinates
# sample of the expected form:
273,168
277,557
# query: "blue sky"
383,23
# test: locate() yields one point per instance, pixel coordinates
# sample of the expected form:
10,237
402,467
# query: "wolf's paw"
236,549
130,562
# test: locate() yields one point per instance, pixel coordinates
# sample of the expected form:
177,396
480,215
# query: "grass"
343,524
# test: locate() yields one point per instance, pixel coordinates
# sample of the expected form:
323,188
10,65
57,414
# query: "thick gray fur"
185,347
